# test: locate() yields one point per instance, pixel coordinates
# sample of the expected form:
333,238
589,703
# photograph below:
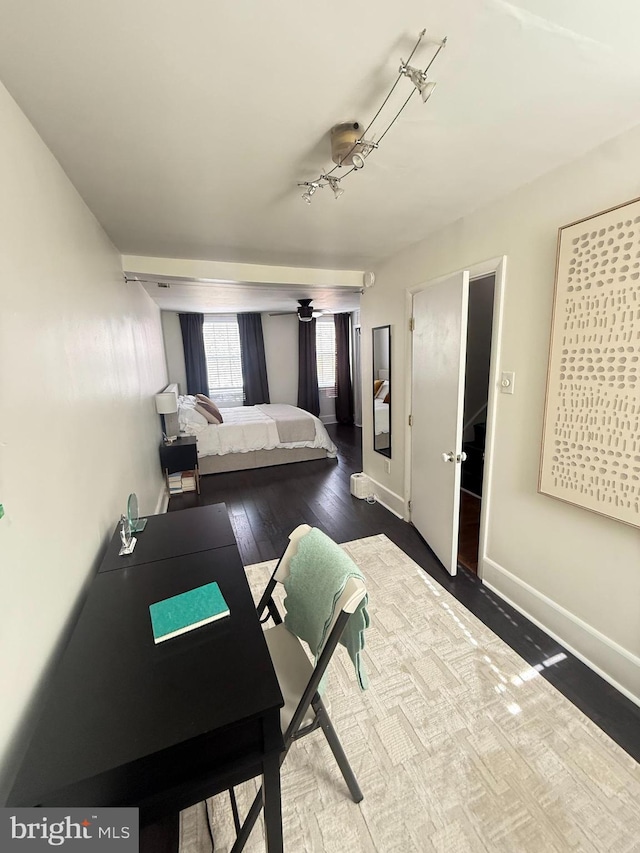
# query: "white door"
437,404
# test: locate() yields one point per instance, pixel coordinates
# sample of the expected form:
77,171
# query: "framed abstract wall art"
591,437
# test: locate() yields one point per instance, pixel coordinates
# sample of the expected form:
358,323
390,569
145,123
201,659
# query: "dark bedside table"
180,455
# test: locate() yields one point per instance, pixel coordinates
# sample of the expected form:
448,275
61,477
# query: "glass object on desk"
136,523
128,541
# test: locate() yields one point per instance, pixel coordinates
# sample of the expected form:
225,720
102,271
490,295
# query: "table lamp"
167,406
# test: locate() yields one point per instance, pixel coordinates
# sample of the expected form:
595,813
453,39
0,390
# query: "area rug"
458,745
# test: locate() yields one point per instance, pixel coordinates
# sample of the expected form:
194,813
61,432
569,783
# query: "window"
224,365
326,355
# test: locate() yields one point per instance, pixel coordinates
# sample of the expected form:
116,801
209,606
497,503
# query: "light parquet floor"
459,745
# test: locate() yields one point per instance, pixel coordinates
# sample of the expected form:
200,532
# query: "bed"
254,436
381,419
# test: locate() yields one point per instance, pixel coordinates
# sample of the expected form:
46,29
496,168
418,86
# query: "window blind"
224,365
326,355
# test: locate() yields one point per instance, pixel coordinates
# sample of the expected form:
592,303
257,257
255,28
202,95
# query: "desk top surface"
116,696
173,534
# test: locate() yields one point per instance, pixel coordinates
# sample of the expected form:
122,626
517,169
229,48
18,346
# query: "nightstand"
180,455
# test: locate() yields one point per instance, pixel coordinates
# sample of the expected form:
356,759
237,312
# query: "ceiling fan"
305,311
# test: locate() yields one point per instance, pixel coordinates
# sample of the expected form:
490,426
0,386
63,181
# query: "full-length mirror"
382,390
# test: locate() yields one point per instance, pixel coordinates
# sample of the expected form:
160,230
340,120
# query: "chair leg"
234,810
249,823
337,750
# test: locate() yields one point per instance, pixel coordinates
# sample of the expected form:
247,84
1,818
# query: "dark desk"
173,534
129,722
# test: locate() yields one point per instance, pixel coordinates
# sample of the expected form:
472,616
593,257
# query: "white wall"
577,573
80,358
281,353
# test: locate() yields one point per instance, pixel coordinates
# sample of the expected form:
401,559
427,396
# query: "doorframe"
498,267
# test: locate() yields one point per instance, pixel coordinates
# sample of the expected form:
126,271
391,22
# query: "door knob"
453,457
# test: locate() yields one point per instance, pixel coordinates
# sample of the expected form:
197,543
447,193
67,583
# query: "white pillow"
186,400
187,416
383,390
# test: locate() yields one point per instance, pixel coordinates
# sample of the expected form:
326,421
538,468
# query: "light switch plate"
507,381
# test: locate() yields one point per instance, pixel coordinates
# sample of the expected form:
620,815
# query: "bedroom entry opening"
474,417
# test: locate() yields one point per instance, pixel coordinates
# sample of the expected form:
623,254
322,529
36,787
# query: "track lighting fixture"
312,186
349,145
419,80
334,184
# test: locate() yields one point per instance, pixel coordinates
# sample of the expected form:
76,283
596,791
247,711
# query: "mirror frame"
384,451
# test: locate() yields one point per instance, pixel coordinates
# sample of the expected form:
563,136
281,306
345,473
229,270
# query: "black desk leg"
272,804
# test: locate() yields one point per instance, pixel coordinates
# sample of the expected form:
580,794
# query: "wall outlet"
387,466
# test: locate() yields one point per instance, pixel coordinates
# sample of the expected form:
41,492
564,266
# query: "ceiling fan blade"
304,307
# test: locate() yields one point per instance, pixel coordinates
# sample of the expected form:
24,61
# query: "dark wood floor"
469,531
267,503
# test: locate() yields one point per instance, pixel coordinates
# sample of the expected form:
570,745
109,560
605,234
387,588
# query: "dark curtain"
254,363
344,388
308,396
195,361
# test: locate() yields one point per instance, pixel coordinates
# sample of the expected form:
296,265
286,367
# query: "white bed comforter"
247,428
381,417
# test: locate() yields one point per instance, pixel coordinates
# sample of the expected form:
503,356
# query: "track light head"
311,186
426,91
419,80
334,183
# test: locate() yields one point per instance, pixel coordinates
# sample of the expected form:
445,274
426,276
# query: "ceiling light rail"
349,143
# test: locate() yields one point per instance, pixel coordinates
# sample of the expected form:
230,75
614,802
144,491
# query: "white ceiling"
220,298
186,126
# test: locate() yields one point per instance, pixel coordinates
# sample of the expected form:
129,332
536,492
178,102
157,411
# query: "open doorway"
476,398
356,369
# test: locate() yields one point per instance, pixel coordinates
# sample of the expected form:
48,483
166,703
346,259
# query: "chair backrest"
351,596
353,592
283,568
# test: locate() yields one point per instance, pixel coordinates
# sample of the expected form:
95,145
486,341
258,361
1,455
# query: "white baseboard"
328,419
615,664
388,499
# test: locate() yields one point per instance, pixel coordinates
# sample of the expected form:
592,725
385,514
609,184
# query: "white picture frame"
591,435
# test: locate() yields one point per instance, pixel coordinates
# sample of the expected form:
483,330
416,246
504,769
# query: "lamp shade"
166,403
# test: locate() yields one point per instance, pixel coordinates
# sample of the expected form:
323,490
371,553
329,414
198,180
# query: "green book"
189,610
